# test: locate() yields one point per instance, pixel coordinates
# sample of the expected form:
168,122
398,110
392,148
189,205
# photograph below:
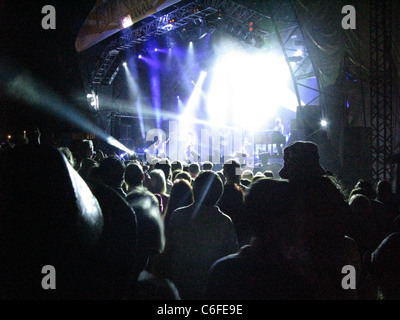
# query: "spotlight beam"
24,87
194,100
134,94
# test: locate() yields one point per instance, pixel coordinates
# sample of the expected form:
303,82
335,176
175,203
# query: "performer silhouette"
277,135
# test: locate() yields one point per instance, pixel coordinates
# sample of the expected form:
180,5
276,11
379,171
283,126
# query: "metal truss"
105,68
381,89
274,21
289,35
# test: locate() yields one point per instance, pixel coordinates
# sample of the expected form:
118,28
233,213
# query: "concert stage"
220,65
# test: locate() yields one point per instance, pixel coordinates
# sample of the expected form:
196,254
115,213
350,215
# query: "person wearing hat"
322,248
301,160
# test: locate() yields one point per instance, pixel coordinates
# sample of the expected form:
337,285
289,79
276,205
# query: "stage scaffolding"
274,22
381,89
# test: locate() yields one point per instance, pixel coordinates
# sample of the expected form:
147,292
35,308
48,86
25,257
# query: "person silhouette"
49,218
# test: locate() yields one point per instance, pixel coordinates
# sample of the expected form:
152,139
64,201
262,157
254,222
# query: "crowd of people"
124,229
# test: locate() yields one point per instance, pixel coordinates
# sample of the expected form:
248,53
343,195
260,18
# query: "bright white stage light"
203,35
125,64
248,88
298,53
115,143
168,27
324,123
190,57
126,21
188,114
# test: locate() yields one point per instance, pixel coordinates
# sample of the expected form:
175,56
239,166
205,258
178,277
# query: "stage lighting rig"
295,58
156,25
125,22
111,78
251,26
220,13
197,8
298,43
93,100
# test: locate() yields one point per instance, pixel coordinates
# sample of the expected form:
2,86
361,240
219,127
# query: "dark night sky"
48,54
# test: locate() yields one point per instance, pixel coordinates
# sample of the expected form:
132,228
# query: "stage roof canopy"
108,17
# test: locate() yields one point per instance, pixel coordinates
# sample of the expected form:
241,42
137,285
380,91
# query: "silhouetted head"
360,204
181,195
367,186
247,174
358,191
194,169
259,175
158,181
384,190
207,188
267,203
208,165
85,149
112,171
184,175
232,171
301,160
176,165
134,175
165,166
269,174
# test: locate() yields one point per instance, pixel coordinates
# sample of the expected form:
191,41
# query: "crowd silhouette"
123,229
